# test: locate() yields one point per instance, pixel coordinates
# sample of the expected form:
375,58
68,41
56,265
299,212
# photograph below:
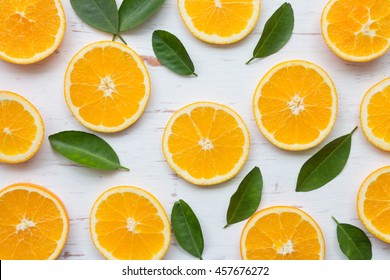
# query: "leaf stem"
196,75
124,168
354,130
226,226
250,60
201,258
334,219
113,37
120,37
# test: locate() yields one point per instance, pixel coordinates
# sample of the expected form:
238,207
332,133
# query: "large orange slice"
357,30
282,233
21,128
295,105
30,30
206,143
33,223
220,21
107,86
129,223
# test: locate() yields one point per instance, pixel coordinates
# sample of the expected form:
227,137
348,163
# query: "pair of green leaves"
105,16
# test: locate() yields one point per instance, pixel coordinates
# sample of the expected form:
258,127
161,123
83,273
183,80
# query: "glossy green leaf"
325,165
277,32
245,201
187,229
171,53
100,14
86,149
353,242
134,12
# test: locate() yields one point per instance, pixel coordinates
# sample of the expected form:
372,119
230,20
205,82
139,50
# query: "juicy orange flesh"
141,242
17,128
107,86
229,18
28,27
359,28
220,135
36,242
281,101
377,203
378,116
271,233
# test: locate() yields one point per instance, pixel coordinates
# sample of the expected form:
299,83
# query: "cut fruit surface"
357,30
129,223
30,30
33,223
206,143
373,203
220,21
295,105
375,115
282,233
107,86
21,128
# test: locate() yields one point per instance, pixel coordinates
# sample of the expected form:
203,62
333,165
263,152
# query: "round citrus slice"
357,30
295,105
374,115
373,203
129,223
206,143
33,223
220,21
282,233
21,128
107,86
30,30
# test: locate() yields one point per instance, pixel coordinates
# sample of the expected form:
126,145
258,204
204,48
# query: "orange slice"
129,223
33,223
357,30
373,203
21,128
206,143
295,105
375,116
107,86
220,21
30,30
282,233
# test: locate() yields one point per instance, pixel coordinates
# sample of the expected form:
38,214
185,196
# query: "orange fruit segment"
21,128
107,86
33,223
357,30
373,203
295,105
220,21
30,30
206,143
282,233
129,223
374,115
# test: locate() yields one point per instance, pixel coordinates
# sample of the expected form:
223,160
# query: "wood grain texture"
223,77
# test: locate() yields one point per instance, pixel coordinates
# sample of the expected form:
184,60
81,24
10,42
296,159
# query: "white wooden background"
223,77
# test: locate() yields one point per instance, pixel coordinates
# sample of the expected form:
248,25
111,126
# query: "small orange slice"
295,105
357,30
107,86
129,223
282,233
30,30
21,128
373,203
33,223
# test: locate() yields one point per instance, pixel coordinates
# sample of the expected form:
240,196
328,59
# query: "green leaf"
187,229
325,165
86,149
134,12
245,201
100,14
353,242
277,31
171,53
